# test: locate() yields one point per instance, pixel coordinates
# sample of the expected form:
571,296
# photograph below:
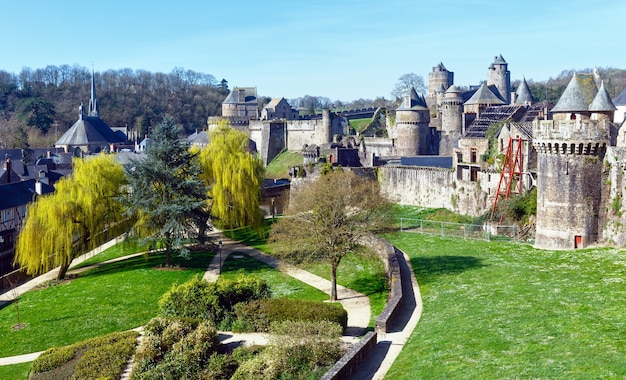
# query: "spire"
523,93
602,101
572,99
93,105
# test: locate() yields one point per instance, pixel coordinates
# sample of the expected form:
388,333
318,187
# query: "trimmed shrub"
259,315
175,349
298,350
97,358
213,301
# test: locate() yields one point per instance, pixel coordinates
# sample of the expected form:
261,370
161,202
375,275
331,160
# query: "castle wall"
434,187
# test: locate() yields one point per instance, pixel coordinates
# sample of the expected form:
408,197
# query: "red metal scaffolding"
510,176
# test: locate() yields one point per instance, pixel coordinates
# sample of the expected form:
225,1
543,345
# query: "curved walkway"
374,366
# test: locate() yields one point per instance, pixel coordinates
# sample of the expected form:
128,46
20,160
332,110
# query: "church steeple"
93,105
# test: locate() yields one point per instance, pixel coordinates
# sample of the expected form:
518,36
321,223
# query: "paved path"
378,362
375,365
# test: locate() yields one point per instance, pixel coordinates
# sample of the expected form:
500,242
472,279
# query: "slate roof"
199,138
577,96
499,60
20,193
427,161
602,101
90,130
523,93
620,100
484,95
413,102
492,115
249,93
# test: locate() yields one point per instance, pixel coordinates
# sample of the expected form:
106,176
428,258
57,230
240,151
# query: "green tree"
21,141
37,112
81,214
166,192
327,218
233,176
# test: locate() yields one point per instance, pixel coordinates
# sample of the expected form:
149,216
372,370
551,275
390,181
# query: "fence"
487,232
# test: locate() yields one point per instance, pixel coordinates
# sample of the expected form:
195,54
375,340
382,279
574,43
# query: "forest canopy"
46,101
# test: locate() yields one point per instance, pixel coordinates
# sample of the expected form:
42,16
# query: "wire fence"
461,230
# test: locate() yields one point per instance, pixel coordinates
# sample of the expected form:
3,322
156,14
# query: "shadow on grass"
427,269
198,260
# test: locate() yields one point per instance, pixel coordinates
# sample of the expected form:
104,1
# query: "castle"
573,152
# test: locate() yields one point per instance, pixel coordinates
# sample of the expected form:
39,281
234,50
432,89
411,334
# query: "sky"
342,49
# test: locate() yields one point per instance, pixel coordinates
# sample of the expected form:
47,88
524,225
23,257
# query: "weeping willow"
82,213
233,176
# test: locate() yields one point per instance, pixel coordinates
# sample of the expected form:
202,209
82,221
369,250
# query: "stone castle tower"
439,79
411,130
570,154
451,120
500,77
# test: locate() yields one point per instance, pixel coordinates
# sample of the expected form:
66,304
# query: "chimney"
38,188
241,96
8,166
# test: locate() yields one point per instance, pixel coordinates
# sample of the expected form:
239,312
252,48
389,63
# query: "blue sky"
339,49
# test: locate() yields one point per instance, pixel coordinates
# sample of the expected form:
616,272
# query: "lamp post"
219,250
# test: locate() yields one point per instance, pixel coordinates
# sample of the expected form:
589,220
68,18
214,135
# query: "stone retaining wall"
351,360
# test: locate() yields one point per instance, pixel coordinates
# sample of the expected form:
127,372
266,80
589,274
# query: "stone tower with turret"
570,154
499,76
411,131
451,120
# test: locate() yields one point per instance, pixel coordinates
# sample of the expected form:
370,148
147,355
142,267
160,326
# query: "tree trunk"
63,271
168,254
202,233
333,282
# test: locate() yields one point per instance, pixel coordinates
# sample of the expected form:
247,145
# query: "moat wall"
437,188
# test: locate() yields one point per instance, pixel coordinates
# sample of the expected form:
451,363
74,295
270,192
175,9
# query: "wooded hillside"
44,102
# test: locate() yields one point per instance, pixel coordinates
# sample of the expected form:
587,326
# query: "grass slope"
504,310
114,297
279,166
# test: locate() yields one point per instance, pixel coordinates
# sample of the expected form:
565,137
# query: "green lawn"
282,285
505,310
15,371
360,124
279,166
363,272
114,297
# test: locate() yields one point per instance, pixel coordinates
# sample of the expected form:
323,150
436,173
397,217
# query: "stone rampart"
436,188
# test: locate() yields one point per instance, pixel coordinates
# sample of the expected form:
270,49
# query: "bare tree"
404,84
328,217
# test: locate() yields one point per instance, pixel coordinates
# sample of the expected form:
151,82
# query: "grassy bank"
503,310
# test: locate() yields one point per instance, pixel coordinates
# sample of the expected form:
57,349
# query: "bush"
97,358
259,315
175,349
298,350
212,301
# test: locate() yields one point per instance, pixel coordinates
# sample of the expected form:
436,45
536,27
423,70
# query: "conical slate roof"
523,93
89,131
484,96
572,99
499,60
620,100
602,101
413,102
454,88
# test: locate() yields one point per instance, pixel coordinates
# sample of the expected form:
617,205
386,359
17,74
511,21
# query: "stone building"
411,130
278,108
571,150
90,134
241,105
499,76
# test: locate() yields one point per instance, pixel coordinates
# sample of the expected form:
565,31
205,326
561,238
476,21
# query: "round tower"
451,120
411,128
570,153
438,79
500,77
